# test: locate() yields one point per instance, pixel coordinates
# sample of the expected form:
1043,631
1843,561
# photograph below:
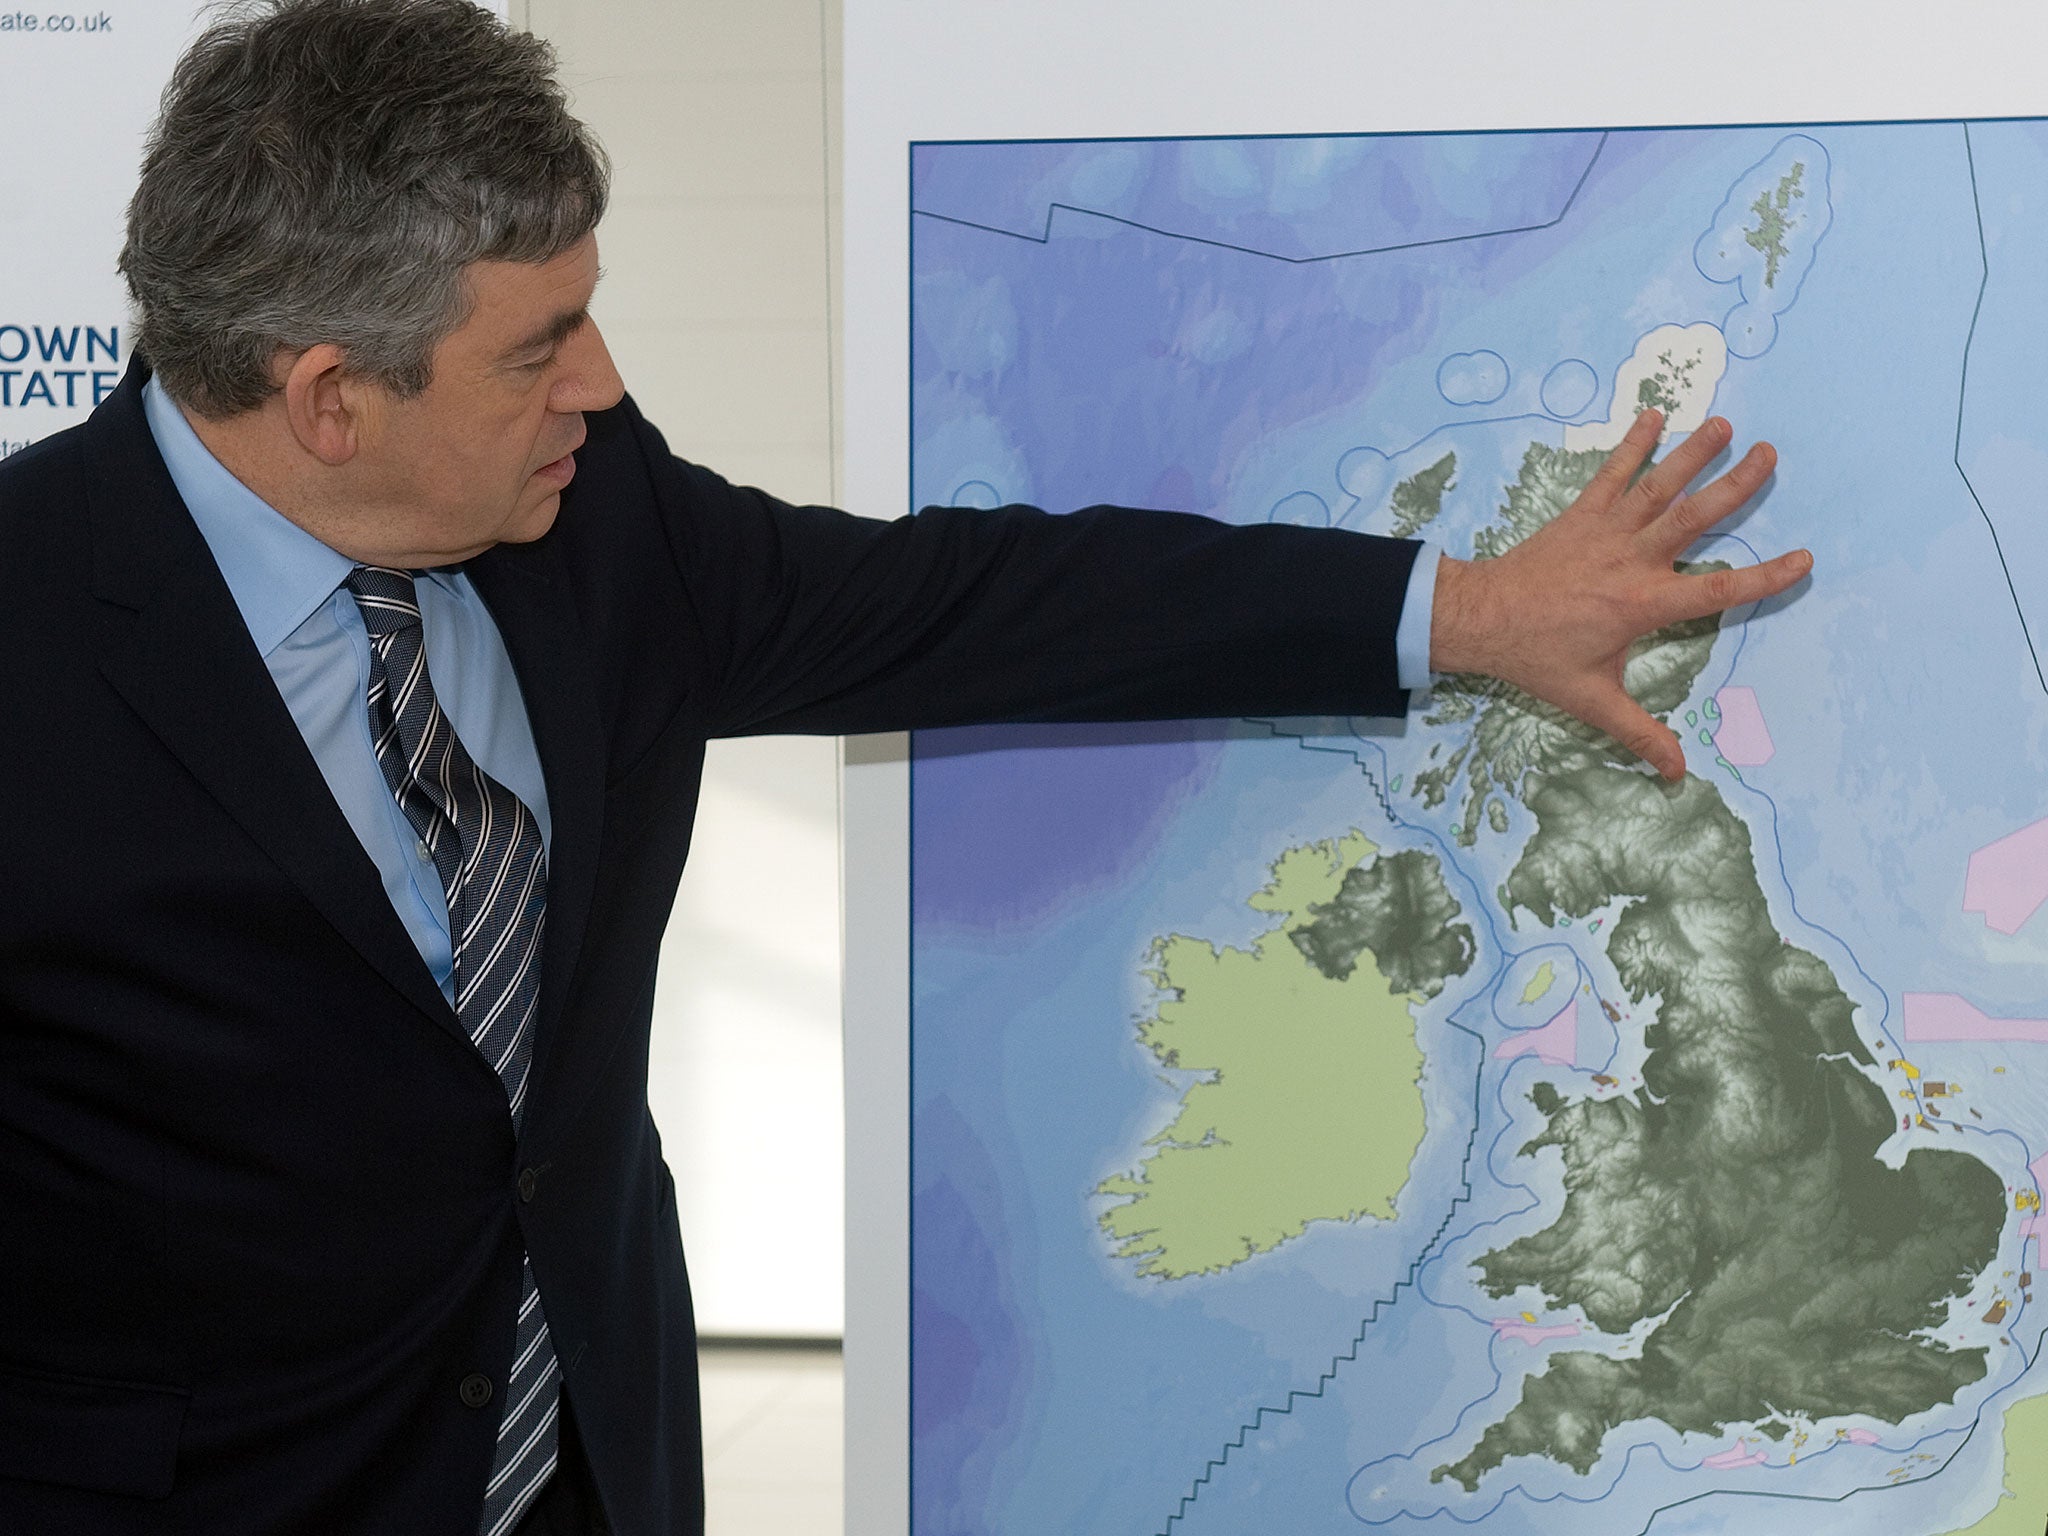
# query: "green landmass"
1550,480
1310,1108
1740,1193
2023,1506
1774,222
1540,983
1664,390
1419,498
1398,908
1513,735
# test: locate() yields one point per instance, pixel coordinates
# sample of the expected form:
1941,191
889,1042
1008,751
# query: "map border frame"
919,72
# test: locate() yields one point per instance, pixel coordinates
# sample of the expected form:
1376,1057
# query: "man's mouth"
560,471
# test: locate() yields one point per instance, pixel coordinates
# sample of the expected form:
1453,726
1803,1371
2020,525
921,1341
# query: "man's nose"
589,380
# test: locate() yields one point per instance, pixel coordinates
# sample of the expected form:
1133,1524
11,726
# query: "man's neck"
259,449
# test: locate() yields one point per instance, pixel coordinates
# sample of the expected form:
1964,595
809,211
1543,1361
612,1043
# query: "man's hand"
1556,614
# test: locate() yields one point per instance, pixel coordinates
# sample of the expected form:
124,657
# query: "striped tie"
487,849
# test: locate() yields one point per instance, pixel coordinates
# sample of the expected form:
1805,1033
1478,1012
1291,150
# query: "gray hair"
324,170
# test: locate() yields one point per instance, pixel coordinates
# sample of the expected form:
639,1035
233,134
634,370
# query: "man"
362,651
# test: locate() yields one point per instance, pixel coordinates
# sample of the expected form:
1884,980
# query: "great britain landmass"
1737,1198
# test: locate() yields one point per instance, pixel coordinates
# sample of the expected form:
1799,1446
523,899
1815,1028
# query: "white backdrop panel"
920,70
89,79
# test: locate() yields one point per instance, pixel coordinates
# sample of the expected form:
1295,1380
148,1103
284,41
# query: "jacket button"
529,1181
475,1390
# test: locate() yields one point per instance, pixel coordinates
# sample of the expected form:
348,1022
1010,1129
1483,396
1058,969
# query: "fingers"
1634,728
1711,592
1612,478
1673,530
1655,491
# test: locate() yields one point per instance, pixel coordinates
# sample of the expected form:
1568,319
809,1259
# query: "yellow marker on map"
1912,1072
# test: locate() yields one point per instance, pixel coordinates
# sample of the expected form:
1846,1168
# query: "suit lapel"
536,615
185,663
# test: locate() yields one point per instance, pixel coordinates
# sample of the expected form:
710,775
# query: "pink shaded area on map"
1722,1461
1556,1042
1742,737
1933,1017
1533,1333
2008,879
1860,1436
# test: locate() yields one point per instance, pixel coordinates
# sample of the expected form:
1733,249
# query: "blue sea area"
1286,330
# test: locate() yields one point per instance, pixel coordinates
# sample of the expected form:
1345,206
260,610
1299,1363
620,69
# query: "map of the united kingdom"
1441,1123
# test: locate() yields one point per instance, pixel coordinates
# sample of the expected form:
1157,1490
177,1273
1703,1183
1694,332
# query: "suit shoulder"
633,497
45,544
42,484
49,465
627,454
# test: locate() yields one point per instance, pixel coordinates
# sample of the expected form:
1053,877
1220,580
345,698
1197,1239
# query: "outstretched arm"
1556,614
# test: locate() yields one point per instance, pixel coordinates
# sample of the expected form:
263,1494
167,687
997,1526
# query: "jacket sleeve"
812,619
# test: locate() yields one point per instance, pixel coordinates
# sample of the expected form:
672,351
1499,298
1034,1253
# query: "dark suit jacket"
261,1207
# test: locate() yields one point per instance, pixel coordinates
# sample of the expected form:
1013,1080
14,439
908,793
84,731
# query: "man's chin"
533,521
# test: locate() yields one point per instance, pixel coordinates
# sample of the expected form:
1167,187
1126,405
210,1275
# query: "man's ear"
323,403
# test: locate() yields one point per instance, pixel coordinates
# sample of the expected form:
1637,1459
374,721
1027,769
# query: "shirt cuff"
1418,610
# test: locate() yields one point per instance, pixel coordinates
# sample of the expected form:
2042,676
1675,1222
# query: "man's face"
481,456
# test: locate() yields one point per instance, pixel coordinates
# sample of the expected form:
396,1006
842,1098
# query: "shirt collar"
277,572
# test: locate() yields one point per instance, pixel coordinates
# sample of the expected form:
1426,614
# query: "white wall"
716,301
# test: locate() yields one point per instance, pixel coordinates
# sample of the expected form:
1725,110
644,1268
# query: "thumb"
1636,729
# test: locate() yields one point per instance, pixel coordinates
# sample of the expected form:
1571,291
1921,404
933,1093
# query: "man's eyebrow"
557,330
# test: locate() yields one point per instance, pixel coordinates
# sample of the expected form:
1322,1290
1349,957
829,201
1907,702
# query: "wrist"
1458,626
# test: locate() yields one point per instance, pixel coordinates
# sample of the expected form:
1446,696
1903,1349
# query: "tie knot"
387,599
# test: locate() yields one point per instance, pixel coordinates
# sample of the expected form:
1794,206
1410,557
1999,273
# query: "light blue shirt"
1418,610
288,586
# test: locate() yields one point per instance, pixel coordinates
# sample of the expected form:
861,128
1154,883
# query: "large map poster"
1439,1123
